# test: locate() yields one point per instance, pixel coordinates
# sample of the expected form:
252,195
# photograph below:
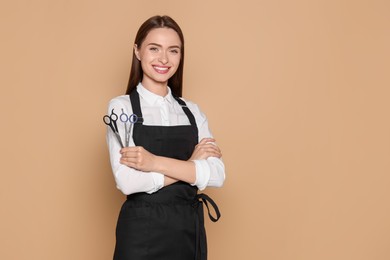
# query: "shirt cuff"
202,174
158,180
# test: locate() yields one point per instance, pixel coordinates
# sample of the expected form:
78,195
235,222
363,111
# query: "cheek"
176,64
146,61
147,56
176,60
143,66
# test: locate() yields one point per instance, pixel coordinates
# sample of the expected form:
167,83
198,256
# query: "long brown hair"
136,73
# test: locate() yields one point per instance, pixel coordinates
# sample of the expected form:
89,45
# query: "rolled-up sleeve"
210,172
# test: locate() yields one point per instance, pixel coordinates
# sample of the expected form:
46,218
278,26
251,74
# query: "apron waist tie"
201,241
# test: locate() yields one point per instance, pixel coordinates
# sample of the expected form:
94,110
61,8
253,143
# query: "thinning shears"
110,120
132,119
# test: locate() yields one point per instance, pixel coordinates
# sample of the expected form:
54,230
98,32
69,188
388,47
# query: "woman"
171,154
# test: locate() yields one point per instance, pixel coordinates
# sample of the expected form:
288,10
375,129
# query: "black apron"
167,224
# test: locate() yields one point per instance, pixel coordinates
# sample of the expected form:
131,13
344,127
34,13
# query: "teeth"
159,68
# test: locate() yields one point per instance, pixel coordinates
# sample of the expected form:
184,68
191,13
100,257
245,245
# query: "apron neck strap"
186,110
136,106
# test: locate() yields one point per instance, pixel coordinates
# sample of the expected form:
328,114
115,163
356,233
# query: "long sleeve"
210,172
159,111
128,180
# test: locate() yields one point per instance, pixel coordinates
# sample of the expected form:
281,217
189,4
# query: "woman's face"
159,55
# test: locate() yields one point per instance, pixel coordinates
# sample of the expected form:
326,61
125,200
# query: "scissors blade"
119,139
126,135
132,120
131,128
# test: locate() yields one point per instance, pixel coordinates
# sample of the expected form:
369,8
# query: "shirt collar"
152,98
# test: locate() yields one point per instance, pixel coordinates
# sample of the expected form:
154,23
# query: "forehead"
163,36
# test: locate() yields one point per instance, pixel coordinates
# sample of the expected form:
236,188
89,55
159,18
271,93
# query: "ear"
136,52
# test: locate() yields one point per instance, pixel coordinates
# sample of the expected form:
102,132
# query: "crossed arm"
174,170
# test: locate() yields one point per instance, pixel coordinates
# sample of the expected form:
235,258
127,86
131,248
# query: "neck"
158,88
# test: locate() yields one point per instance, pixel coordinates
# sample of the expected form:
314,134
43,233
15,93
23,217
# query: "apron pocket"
132,232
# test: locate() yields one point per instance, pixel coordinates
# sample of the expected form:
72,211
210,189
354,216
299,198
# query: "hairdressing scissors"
132,119
110,120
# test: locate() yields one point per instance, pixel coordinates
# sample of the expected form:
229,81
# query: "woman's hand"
138,158
204,149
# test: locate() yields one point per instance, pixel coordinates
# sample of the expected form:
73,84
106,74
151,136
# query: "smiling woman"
160,56
148,27
171,154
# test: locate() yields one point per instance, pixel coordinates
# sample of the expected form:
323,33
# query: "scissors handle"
133,118
110,120
114,118
107,120
123,117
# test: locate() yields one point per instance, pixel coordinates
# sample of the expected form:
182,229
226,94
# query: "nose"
163,58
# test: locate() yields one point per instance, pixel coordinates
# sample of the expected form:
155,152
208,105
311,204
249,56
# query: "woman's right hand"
204,149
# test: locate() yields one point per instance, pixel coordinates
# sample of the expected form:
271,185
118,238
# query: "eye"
153,49
175,51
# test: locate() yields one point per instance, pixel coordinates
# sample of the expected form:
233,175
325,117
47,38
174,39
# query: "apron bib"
167,224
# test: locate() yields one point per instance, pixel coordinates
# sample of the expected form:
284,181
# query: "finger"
205,152
214,149
125,150
218,155
206,140
206,145
130,154
131,162
131,149
209,147
129,159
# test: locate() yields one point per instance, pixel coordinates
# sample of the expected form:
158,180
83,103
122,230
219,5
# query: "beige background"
297,94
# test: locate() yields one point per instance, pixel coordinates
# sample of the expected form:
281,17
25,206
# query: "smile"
161,69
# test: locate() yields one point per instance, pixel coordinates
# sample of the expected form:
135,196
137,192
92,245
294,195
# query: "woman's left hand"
138,158
204,149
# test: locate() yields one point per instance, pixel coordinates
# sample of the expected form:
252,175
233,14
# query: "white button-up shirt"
163,111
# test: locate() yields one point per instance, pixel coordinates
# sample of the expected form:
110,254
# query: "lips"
161,69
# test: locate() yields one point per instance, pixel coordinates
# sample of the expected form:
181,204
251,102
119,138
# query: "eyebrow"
159,45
